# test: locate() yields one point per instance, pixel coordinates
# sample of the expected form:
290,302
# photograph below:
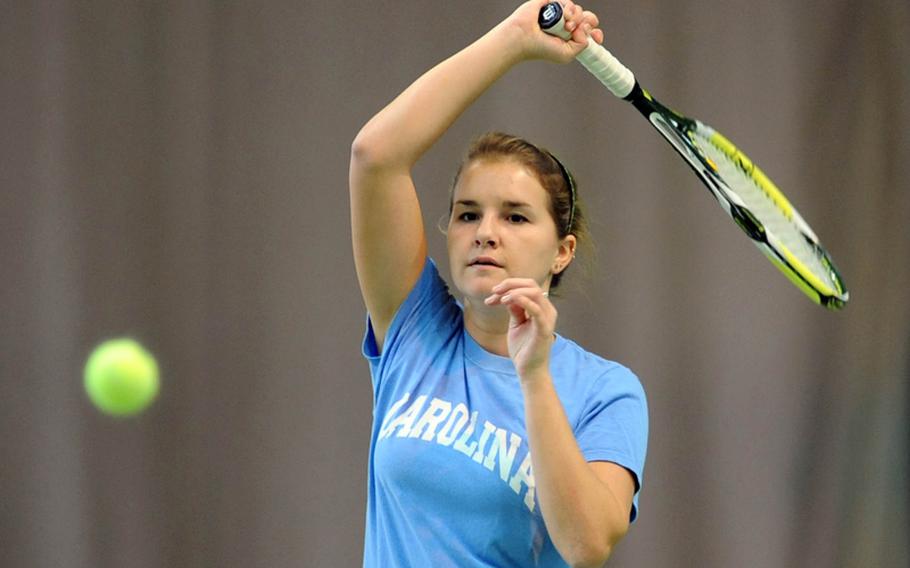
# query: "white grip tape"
601,63
607,69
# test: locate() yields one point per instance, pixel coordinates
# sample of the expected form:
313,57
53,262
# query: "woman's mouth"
485,261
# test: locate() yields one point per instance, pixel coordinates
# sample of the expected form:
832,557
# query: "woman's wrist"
511,41
533,379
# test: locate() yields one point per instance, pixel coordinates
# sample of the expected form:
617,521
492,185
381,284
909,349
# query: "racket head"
752,200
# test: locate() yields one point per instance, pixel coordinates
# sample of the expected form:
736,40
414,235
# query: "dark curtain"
177,172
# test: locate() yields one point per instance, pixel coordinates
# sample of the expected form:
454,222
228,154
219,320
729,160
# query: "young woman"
496,441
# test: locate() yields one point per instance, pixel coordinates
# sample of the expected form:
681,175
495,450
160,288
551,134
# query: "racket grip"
595,58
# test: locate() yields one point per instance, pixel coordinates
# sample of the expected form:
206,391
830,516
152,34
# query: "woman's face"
501,227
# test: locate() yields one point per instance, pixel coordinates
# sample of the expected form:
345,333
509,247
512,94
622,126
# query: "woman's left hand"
532,322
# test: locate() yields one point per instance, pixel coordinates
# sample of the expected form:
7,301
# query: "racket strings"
748,168
747,182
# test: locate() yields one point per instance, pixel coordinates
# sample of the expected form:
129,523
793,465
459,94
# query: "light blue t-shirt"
450,479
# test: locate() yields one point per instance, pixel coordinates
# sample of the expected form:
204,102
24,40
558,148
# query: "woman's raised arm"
387,227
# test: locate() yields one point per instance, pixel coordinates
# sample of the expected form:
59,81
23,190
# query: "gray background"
177,171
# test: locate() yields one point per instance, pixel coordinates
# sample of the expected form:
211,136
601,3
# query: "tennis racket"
752,200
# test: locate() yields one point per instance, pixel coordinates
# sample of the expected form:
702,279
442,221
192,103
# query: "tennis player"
495,442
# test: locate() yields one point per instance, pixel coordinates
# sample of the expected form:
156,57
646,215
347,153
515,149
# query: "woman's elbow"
595,554
375,150
365,151
590,557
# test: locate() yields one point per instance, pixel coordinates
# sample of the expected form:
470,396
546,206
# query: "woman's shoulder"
592,366
431,287
430,303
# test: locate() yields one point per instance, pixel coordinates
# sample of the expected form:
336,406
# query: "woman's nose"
486,233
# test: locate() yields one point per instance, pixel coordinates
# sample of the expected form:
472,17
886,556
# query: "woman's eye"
516,218
467,216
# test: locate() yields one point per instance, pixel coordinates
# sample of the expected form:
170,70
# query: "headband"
570,181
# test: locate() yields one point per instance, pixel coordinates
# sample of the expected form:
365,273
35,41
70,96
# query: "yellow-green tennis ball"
121,377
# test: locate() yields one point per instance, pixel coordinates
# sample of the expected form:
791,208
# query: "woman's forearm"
583,516
399,134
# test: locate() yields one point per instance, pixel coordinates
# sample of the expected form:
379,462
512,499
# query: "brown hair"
565,208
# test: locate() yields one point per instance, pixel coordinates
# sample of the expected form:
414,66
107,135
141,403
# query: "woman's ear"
565,254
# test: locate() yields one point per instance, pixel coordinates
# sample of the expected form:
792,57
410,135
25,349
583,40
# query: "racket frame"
679,131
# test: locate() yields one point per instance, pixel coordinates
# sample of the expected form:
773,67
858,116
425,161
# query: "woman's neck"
488,326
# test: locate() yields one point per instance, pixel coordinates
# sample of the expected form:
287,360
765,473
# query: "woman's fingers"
525,299
591,18
510,283
534,294
593,23
509,295
508,288
521,303
581,23
536,44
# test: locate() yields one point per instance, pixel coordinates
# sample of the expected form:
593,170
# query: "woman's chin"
476,297
478,289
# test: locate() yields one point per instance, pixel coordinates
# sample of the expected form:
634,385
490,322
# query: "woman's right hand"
534,43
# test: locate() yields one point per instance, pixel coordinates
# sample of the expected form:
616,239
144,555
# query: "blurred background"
177,172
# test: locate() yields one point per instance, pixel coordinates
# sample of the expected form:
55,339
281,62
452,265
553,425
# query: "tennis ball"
121,377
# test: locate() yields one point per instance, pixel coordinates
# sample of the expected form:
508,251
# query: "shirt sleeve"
421,320
614,424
